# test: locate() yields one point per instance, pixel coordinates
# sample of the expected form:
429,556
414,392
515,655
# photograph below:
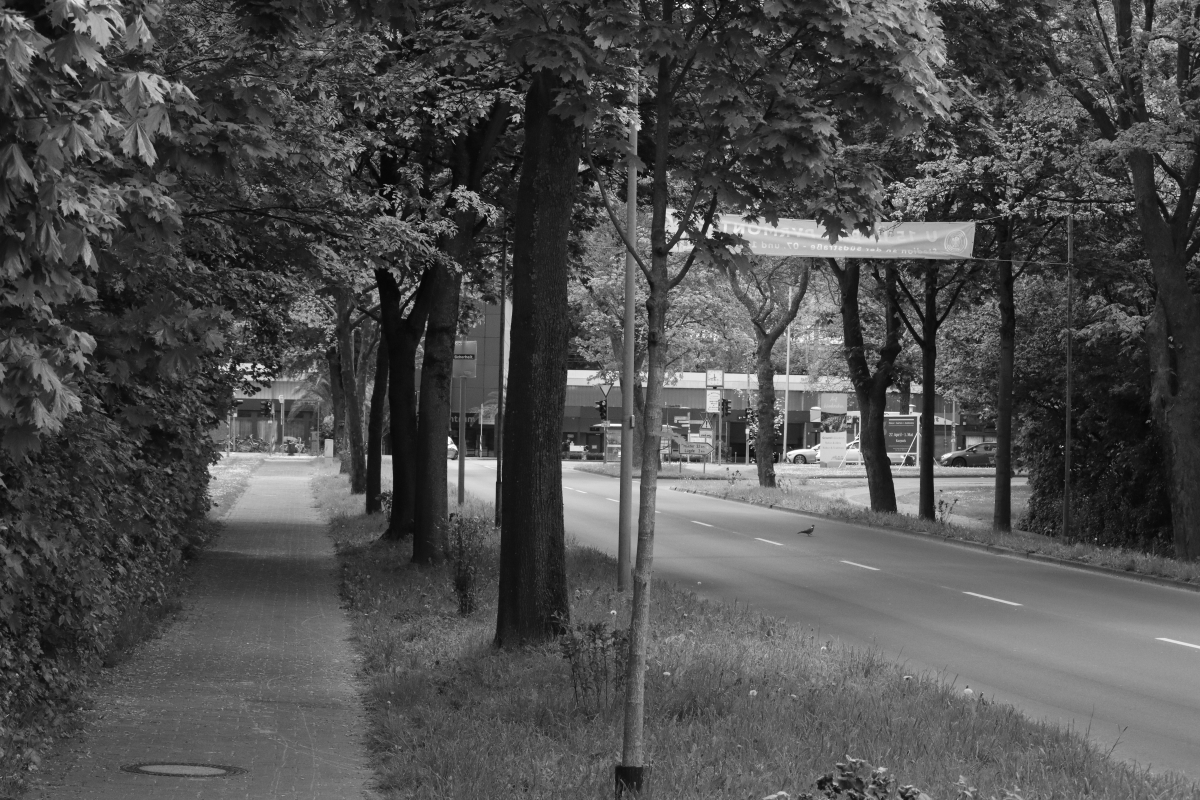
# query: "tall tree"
770,291
533,601
1132,68
929,315
870,388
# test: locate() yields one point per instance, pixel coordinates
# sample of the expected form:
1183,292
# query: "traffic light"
726,408
602,407
264,406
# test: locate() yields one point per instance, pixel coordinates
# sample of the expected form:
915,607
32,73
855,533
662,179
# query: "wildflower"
613,612
754,692
666,674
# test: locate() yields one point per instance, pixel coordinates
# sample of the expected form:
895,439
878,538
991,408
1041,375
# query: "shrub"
598,656
468,534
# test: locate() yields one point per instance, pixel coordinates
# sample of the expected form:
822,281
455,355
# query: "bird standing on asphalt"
807,531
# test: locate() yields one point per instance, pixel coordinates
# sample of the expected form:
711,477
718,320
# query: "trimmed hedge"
92,528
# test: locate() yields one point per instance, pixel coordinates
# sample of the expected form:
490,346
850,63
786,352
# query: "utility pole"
1066,516
625,523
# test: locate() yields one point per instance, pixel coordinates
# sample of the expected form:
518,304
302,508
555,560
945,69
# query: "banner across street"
808,238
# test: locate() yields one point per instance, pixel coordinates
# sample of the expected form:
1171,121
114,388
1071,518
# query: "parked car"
804,455
451,449
977,455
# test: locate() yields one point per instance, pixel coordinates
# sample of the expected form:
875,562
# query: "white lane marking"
705,524
1176,641
581,491
768,541
612,499
993,599
864,566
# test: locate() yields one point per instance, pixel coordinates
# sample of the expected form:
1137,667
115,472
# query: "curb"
1007,552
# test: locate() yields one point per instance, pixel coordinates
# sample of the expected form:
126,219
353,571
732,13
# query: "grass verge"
739,705
791,494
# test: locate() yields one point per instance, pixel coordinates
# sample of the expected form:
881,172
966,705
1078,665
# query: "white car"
451,449
804,455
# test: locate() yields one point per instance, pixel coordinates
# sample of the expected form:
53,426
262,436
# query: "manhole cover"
183,770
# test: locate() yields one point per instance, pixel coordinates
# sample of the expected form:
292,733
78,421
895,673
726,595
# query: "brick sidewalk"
258,674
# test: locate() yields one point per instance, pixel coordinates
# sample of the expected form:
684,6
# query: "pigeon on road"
807,531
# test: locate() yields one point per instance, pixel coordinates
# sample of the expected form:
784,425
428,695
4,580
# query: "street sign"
712,401
814,414
700,437
682,420
465,354
707,426
695,449
605,388
714,378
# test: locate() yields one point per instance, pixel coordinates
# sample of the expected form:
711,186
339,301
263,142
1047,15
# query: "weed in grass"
944,509
598,656
468,535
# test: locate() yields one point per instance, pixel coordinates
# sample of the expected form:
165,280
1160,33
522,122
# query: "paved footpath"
258,674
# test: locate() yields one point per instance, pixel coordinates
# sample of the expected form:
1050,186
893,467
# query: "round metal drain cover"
180,770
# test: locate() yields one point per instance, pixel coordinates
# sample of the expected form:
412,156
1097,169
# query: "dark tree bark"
770,315
928,343
1005,280
1173,337
352,401
433,421
334,362
470,156
403,335
924,331
533,603
870,388
375,422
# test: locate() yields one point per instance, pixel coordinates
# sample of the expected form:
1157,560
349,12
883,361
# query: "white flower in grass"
613,612
666,674
754,692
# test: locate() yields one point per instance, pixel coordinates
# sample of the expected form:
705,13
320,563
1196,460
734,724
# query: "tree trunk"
925,508
1002,511
870,389
334,362
533,600
433,422
764,438
356,448
403,335
375,430
1174,341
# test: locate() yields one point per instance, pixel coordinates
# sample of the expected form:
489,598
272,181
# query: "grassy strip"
738,704
792,495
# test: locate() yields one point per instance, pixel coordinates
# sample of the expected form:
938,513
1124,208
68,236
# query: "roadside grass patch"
791,495
739,705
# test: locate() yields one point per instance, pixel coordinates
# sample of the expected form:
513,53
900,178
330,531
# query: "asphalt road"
1115,657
